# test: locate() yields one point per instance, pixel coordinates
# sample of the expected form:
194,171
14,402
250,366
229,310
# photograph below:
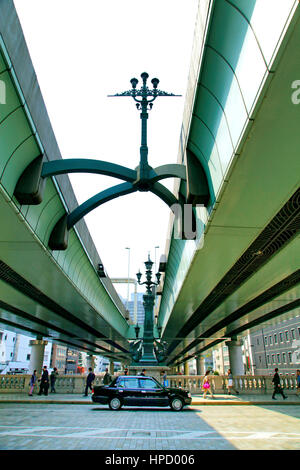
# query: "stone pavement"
60,426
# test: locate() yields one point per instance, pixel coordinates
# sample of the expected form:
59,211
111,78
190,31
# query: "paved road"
83,427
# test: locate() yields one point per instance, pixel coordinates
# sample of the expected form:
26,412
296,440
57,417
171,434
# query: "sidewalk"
78,399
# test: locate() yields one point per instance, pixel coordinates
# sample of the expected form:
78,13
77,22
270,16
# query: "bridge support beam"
197,185
37,355
235,357
30,186
90,362
200,365
111,368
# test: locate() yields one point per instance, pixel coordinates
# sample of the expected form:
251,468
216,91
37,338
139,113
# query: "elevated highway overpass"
241,123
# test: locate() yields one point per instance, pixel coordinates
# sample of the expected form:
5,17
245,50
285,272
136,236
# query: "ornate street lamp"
145,351
144,98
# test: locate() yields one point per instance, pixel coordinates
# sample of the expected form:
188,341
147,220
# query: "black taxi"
133,390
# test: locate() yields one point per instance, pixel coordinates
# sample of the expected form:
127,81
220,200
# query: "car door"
153,394
131,392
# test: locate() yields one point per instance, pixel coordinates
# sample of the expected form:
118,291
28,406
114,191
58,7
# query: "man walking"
53,377
44,386
277,386
89,380
298,382
106,377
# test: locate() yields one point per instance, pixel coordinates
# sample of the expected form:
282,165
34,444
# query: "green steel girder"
96,201
59,235
82,165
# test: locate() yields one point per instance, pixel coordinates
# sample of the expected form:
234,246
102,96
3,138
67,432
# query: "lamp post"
148,354
127,248
144,98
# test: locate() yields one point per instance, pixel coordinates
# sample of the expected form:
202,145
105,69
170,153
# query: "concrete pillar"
200,365
235,357
37,355
111,368
90,362
186,368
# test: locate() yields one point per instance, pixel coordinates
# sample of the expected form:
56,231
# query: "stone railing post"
79,384
269,387
218,383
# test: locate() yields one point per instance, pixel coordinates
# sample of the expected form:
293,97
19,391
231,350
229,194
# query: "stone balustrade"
64,383
246,384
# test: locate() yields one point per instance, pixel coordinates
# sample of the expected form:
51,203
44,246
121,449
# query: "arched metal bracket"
29,189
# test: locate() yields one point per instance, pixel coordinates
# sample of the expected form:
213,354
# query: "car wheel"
115,404
176,404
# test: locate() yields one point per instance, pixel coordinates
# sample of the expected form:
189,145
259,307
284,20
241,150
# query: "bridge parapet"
75,384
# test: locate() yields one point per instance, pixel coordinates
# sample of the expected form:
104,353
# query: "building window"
266,341
259,358
275,339
273,358
28,357
293,334
299,332
280,337
278,358
290,356
284,358
270,340
268,358
287,335
257,341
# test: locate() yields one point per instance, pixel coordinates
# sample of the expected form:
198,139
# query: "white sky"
83,51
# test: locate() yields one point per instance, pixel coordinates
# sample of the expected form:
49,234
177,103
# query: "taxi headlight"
189,395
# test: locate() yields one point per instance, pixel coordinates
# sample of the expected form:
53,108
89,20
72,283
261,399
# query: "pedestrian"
207,385
143,372
277,386
106,377
53,377
44,382
230,383
125,371
298,382
32,383
89,380
165,380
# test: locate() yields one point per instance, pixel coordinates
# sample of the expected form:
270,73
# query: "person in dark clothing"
44,385
53,377
89,380
32,383
106,377
126,371
143,372
277,386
